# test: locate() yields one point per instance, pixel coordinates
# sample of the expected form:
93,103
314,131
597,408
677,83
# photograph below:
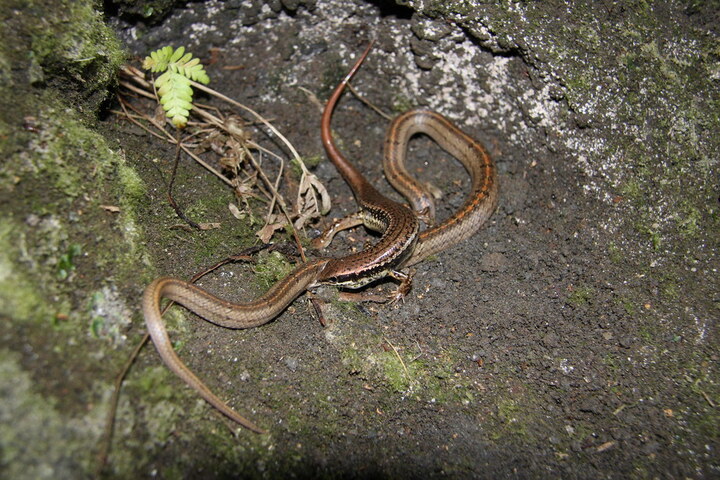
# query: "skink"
402,243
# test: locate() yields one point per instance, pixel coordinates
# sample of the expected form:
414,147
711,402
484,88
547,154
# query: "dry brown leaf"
308,206
159,116
236,211
110,208
209,225
266,233
303,219
234,125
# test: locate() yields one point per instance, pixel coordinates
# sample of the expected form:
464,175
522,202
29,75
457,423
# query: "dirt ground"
574,336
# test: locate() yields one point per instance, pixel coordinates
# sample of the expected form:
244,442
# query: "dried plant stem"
310,186
262,119
167,136
368,103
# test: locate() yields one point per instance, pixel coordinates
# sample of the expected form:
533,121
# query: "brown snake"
402,243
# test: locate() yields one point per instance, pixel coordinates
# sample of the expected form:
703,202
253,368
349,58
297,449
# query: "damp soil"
546,345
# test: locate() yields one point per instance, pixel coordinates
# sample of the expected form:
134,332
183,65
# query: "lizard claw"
404,288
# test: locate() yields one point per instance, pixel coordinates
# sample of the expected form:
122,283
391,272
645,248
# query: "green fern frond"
174,85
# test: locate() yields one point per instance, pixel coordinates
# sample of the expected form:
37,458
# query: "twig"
313,98
287,143
282,205
708,399
110,418
273,188
137,90
407,373
133,120
368,103
169,138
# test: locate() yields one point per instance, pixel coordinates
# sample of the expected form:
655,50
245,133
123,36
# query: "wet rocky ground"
574,336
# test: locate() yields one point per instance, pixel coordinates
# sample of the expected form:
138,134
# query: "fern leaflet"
174,84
